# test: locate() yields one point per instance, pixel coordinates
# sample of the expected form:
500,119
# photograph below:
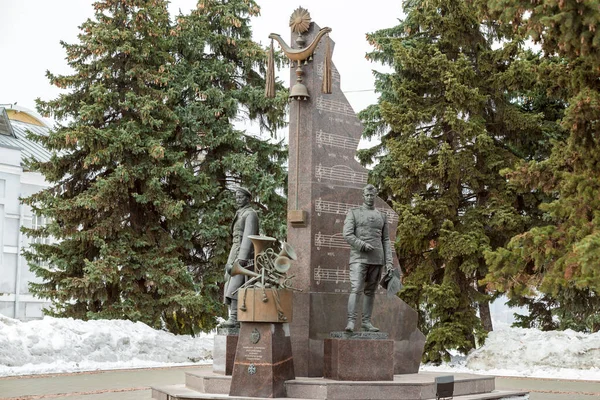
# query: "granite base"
360,356
225,344
206,385
263,360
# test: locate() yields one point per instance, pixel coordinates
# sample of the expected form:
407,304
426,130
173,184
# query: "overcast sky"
30,32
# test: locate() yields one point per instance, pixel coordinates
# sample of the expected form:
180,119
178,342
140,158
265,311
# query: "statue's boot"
232,322
352,306
366,314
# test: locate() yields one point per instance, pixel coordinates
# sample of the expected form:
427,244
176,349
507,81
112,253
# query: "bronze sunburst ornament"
299,23
300,20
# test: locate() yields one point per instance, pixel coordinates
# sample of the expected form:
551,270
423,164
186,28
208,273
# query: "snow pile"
532,349
55,345
66,345
531,353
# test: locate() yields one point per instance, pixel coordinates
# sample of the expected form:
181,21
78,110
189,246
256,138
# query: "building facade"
16,182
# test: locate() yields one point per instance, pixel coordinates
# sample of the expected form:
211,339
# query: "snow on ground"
531,353
55,345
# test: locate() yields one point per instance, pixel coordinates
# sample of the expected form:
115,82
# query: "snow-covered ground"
533,353
56,345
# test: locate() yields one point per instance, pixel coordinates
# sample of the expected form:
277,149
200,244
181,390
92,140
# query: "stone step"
181,392
496,395
208,383
203,385
408,386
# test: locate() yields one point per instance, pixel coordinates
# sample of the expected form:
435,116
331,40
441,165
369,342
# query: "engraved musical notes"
340,173
392,217
336,241
334,73
339,141
331,207
333,106
330,275
318,241
335,207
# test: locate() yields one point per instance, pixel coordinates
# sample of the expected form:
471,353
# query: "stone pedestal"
263,360
360,356
225,343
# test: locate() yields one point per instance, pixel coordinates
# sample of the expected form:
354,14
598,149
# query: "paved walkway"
552,389
103,385
135,385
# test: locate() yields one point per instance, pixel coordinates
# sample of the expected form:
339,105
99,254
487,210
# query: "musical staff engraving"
333,106
340,173
392,217
336,241
334,73
335,207
329,139
331,275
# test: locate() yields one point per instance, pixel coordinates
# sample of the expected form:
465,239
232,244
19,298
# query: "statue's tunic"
244,223
364,225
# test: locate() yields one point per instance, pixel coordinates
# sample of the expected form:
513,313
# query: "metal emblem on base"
251,369
255,336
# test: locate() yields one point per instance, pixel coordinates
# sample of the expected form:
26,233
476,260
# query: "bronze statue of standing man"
366,230
245,223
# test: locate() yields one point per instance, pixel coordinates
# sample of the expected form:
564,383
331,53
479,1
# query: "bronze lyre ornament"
299,23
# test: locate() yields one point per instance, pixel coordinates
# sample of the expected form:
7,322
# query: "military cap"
370,188
243,190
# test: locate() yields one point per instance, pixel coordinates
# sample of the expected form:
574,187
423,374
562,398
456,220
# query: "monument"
325,182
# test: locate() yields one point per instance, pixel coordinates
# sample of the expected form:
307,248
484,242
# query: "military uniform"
365,225
244,223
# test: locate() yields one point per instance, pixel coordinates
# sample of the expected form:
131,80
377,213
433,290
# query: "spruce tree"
139,203
451,115
219,78
558,261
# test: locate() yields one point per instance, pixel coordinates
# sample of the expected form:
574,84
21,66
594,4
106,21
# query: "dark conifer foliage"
553,268
144,159
219,78
456,110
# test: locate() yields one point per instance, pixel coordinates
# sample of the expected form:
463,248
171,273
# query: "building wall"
15,299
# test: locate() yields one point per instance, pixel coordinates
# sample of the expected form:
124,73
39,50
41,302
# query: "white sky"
30,31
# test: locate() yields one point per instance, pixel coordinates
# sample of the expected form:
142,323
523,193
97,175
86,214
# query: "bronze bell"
299,92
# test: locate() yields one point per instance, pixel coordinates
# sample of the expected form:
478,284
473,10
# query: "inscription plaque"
254,353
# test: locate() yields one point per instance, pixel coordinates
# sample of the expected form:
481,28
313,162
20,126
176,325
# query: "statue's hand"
389,267
368,247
